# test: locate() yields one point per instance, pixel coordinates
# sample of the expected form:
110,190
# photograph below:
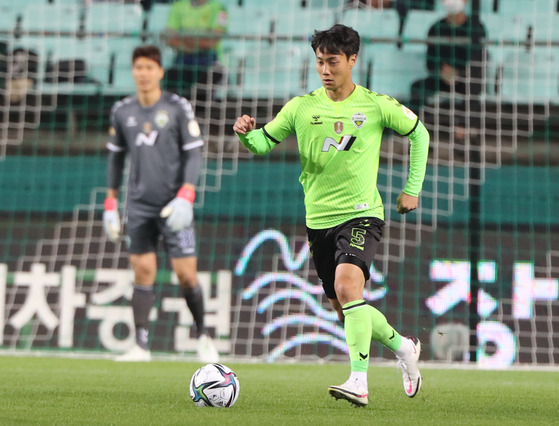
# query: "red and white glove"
111,219
180,212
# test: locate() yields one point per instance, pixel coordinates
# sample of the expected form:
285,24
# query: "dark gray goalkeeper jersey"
156,139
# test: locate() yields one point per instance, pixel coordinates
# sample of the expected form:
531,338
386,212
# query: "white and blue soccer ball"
214,385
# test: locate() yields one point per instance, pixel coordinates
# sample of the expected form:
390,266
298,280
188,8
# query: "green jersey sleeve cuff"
257,142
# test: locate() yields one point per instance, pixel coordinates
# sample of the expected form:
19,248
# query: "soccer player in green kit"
339,132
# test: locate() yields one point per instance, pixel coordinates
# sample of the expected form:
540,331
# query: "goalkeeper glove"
179,212
111,220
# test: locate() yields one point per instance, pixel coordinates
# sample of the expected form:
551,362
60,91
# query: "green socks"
358,329
362,324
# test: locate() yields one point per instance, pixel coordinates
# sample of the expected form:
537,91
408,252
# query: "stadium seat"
121,51
302,22
116,18
418,22
56,18
372,23
266,73
158,17
8,16
259,19
546,28
392,71
332,4
527,7
54,50
530,77
506,29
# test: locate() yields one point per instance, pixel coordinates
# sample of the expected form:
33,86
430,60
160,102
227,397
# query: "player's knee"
144,270
187,279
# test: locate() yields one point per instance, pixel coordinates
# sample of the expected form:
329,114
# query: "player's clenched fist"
244,124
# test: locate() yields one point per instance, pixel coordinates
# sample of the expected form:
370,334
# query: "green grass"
71,391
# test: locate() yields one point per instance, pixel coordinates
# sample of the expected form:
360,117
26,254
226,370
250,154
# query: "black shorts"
355,241
143,234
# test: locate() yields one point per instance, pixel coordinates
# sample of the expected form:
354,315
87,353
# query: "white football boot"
135,354
207,353
351,391
410,370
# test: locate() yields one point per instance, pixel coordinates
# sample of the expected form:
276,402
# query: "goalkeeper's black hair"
150,51
337,40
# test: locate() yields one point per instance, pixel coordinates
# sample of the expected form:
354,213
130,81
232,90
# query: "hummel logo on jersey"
146,139
131,121
316,120
343,145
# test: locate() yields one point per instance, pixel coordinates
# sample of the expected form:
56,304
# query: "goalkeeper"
159,134
339,132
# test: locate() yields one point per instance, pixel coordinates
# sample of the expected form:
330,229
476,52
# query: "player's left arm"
397,117
179,212
419,151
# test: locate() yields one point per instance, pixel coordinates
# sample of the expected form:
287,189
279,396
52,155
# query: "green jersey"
339,145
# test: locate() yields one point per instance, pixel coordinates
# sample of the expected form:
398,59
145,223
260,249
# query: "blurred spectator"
387,4
194,30
454,63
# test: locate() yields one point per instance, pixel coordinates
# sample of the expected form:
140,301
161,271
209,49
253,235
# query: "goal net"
481,248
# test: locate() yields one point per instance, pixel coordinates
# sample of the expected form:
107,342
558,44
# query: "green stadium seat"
527,7
530,77
120,50
54,17
157,18
392,71
248,21
372,23
115,18
418,22
266,73
546,28
302,22
501,29
8,16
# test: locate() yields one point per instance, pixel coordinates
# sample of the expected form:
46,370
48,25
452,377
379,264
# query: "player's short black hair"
150,51
338,39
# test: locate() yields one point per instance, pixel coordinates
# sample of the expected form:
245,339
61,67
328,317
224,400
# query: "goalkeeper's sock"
195,302
383,332
358,329
143,299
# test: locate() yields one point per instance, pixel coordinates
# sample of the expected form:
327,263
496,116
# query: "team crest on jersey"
161,118
339,127
358,119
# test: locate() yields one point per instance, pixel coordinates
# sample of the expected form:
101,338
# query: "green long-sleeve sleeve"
419,151
257,142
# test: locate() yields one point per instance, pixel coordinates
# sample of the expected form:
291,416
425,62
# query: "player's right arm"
255,141
262,141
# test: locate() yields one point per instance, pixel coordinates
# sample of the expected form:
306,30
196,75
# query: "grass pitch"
74,392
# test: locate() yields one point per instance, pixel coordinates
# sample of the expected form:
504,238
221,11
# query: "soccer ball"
214,385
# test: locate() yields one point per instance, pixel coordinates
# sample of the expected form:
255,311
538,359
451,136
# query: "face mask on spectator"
454,7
